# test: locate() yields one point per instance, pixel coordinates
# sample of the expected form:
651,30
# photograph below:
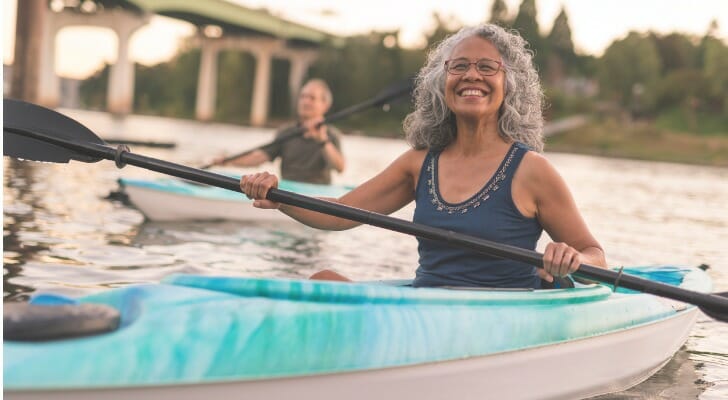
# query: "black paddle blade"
21,116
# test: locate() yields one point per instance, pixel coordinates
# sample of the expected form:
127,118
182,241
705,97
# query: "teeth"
472,92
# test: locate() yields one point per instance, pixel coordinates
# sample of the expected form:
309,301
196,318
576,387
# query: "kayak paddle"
384,96
32,132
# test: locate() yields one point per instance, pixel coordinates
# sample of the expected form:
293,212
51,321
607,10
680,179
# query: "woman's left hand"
559,259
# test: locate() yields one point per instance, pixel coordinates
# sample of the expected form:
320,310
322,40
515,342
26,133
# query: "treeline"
679,79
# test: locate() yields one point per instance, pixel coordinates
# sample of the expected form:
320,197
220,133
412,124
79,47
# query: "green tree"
682,84
527,25
715,70
236,74
361,68
443,29
561,56
499,13
280,94
93,89
677,51
169,88
629,70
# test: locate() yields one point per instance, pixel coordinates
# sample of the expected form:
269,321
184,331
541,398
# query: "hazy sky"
594,24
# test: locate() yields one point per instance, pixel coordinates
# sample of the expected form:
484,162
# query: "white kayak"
168,199
201,337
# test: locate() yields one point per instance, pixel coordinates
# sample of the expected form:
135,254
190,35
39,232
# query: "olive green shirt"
303,159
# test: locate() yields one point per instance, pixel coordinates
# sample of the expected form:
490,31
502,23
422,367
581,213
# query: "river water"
61,235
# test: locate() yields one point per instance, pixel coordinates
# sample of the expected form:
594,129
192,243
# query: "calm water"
60,233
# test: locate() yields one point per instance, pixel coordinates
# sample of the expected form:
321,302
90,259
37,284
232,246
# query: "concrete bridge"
221,25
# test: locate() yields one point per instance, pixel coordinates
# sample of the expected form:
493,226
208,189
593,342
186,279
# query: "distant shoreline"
641,141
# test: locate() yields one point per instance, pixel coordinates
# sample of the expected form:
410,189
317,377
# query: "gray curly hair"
432,125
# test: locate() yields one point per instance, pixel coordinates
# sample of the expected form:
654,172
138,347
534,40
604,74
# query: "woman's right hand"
256,187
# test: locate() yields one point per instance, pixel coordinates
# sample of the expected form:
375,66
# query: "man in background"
309,157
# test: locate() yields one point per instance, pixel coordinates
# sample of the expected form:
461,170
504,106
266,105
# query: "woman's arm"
385,193
543,193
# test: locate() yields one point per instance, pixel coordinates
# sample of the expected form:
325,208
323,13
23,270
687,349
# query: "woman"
475,167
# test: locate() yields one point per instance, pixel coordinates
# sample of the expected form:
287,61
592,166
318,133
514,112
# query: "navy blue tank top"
490,214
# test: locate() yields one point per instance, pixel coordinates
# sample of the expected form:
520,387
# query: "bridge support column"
30,27
120,95
299,67
207,81
300,62
261,88
263,49
50,85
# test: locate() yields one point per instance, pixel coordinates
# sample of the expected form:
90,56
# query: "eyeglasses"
484,66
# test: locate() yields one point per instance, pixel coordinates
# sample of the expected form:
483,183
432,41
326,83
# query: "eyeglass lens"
484,66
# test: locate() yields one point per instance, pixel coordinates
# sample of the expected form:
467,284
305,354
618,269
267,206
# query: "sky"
81,51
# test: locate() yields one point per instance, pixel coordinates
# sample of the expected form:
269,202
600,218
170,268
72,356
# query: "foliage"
499,13
672,78
166,89
715,70
526,24
629,71
644,141
93,90
235,76
561,57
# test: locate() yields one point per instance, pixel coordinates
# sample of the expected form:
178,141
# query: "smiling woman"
474,168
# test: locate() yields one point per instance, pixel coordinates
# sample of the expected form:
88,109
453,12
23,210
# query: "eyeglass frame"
500,66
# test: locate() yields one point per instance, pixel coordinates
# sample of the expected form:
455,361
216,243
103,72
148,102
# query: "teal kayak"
168,199
191,336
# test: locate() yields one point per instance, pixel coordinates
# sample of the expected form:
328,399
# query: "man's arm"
252,159
333,155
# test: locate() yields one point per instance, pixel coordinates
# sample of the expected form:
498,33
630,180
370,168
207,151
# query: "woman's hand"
316,133
256,187
559,259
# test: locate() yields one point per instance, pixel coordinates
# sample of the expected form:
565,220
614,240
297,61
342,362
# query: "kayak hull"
571,370
194,336
168,200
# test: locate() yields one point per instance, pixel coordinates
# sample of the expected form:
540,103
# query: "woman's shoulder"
410,161
535,167
414,156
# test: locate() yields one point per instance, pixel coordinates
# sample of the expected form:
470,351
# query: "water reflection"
678,379
17,220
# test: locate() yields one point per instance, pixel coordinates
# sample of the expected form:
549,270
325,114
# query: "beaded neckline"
484,194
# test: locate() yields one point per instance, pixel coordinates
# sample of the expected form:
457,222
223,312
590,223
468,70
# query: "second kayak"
168,199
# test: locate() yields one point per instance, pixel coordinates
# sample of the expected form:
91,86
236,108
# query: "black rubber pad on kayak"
33,322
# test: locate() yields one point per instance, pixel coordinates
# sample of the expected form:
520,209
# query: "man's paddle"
35,133
385,96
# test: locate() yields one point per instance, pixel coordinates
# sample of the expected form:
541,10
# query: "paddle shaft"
707,302
299,130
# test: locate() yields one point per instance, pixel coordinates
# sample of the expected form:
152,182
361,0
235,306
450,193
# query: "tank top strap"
512,161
